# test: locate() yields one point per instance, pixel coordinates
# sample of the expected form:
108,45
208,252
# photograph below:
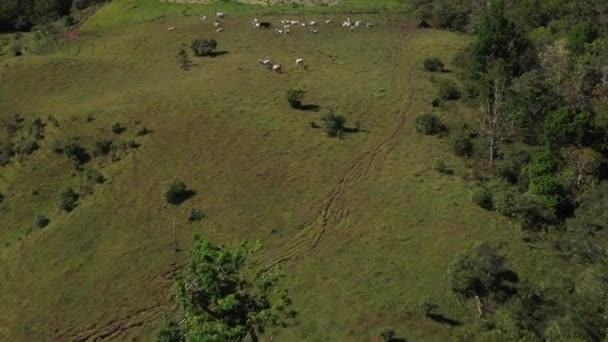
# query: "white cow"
277,31
328,21
370,25
265,62
300,61
312,23
221,29
203,17
313,31
217,24
277,68
286,31
171,28
346,24
220,15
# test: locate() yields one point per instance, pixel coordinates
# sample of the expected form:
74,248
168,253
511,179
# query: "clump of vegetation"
239,309
94,176
185,63
428,307
6,153
17,49
441,167
176,191
436,103
118,128
482,196
1,198
102,147
433,64
430,124
67,199
448,91
143,131
132,143
76,153
462,145
41,221
333,124
196,215
26,146
294,97
203,47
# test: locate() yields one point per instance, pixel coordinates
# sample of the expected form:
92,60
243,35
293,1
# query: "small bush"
448,91
118,128
41,221
26,147
131,143
94,176
102,147
333,124
1,198
483,198
196,215
6,153
203,47
388,335
462,145
505,199
76,154
143,131
436,103
175,192
442,168
294,97
430,124
17,50
67,199
433,64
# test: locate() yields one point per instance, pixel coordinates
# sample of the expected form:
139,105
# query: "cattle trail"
330,215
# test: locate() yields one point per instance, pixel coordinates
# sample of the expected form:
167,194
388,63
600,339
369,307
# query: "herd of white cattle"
286,28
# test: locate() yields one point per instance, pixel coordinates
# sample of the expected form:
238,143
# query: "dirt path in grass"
332,215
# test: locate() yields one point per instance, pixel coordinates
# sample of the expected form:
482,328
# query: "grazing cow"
221,29
346,24
286,31
303,24
171,28
265,62
256,25
358,23
217,24
328,21
265,24
313,31
220,15
203,17
277,31
300,61
286,26
255,20
277,68
370,25
294,22
283,22
312,23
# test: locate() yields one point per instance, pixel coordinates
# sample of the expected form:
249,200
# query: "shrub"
442,168
57,147
102,147
176,191
436,103
67,199
294,97
26,147
118,128
143,131
388,335
183,59
131,143
203,47
510,168
94,176
430,124
41,221
505,199
1,198
76,154
333,124
433,64
6,152
448,91
17,49
196,215
482,196
462,145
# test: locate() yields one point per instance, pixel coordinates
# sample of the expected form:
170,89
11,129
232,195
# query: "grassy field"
363,227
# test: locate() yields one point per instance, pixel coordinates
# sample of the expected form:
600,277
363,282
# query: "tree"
333,124
203,47
294,97
67,199
183,59
581,170
176,191
555,60
496,121
222,302
476,272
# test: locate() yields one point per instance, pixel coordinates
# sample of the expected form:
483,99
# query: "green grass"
260,172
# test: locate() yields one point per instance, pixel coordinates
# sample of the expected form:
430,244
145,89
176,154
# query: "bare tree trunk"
492,149
479,306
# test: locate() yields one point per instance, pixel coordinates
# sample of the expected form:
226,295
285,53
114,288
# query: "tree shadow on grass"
217,53
182,197
310,108
439,318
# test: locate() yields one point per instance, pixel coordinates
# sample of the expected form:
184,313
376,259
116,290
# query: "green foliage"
221,303
451,14
118,128
430,124
505,198
1,198
461,144
94,176
196,215
476,272
388,335
6,153
142,132
67,199
169,331
564,127
41,221
592,215
203,47
176,191
510,168
26,146
427,306
294,97
333,124
448,91
102,147
580,35
76,153
433,64
482,196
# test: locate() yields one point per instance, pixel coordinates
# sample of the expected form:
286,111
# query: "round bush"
176,191
433,64
429,124
483,198
462,145
448,91
41,221
67,199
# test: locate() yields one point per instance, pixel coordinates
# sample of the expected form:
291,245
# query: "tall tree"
222,302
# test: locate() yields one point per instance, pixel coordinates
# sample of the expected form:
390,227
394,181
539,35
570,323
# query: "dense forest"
538,73
22,15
